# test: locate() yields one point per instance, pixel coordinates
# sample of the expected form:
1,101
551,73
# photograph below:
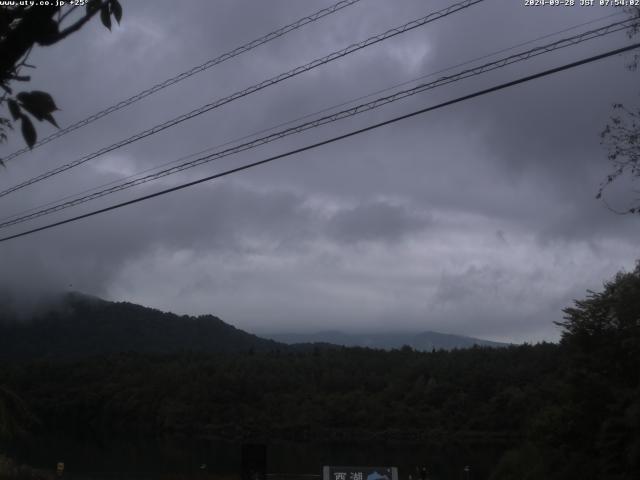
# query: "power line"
332,140
254,88
331,118
189,73
309,115
356,110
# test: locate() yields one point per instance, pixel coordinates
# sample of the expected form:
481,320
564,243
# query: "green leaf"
116,10
28,131
14,109
39,104
105,16
40,101
35,112
49,118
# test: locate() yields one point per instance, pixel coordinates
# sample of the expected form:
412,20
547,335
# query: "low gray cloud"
477,219
374,221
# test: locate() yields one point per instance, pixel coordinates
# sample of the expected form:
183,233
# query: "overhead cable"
308,115
188,73
248,91
350,112
330,140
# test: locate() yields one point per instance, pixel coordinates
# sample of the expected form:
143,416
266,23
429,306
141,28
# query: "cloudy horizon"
478,219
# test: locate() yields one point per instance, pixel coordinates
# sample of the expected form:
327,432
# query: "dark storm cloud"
374,221
398,225
226,218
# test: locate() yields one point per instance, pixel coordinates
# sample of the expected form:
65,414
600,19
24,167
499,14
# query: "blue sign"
359,473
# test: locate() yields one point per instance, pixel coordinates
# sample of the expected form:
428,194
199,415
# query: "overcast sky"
478,219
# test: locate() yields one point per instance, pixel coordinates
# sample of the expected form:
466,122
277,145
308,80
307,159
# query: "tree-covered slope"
80,326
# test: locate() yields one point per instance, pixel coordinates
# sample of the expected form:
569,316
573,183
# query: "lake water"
183,458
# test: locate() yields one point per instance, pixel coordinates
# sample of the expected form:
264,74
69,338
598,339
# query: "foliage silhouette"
621,135
21,28
555,411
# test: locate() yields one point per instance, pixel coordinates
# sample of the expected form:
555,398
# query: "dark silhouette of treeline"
318,394
555,411
78,326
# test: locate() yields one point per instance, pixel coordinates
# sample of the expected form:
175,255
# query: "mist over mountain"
19,307
424,341
78,325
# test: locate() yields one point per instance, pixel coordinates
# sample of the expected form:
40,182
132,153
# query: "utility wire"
189,73
254,88
332,140
350,112
309,115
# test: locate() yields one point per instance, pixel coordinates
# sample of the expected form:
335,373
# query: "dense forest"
554,411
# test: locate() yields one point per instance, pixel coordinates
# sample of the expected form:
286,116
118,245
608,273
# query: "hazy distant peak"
423,341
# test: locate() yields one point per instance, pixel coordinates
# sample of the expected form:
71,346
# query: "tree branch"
78,25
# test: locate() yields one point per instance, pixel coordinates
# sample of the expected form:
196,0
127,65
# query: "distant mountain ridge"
424,341
79,325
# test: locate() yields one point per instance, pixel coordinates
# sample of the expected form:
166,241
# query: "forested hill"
550,411
80,326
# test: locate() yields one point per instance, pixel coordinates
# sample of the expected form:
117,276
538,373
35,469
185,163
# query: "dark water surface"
183,458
